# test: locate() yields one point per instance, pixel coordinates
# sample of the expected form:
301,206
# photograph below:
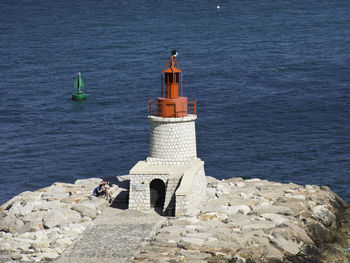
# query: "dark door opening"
157,190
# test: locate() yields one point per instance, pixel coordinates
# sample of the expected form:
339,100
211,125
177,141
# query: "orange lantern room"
172,105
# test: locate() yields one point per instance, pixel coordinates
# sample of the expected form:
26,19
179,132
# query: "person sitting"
99,190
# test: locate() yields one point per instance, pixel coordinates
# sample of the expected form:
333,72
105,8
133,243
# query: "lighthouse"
172,179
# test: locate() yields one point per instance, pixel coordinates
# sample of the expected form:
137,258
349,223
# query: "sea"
271,80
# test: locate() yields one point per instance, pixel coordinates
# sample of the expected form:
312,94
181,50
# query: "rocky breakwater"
38,226
257,221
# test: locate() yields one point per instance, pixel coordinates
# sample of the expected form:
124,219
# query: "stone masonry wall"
172,140
139,192
187,204
170,199
139,195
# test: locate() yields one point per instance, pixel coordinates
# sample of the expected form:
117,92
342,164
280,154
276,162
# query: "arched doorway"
157,191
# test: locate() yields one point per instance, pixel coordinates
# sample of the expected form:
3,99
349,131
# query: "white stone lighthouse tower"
172,178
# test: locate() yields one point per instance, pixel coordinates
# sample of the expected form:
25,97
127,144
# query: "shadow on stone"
159,210
121,200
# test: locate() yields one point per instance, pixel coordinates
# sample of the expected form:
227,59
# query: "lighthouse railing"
192,106
153,107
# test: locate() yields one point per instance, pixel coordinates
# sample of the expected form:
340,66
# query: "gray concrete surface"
115,236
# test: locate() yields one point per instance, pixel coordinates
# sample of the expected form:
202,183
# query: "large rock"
257,225
91,182
5,247
322,214
22,244
21,208
74,228
55,193
39,245
213,204
333,253
265,208
318,231
33,221
12,224
100,203
172,230
190,243
239,220
41,235
275,218
59,217
221,216
44,205
22,198
217,247
282,243
211,192
86,209
237,209
48,256
63,242
297,232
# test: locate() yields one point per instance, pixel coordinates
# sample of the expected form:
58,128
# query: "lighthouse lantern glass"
168,78
171,78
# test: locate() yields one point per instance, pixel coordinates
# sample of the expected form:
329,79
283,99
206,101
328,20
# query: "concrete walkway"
115,236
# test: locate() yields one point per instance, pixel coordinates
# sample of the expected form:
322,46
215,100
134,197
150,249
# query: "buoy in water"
79,95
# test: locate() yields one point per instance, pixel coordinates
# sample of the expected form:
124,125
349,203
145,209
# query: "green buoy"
79,95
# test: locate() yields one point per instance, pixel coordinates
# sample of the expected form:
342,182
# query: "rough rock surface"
241,221
257,221
40,225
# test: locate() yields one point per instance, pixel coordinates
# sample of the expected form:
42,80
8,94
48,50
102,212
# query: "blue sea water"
272,80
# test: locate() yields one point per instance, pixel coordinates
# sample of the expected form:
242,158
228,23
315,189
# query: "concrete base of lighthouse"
172,178
184,187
